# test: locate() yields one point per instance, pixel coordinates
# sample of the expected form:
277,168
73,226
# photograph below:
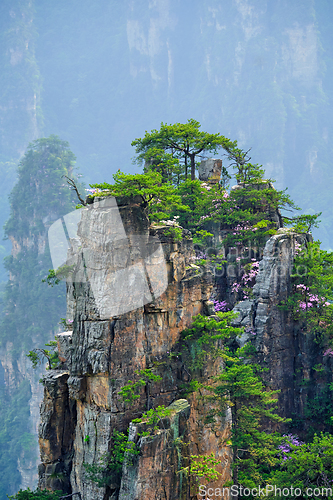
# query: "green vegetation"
306,465
31,310
312,297
311,306
260,456
131,391
165,150
40,196
157,197
37,356
41,189
205,337
241,388
202,468
36,495
247,216
152,418
108,469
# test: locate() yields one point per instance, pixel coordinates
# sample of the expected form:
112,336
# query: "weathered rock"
155,474
273,327
56,432
108,347
210,170
107,350
64,345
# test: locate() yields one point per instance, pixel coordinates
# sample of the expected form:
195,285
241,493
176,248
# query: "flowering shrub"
250,330
305,465
311,299
171,222
221,306
247,281
298,248
200,256
289,444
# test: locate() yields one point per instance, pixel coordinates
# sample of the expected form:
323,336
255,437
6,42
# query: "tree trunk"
234,448
192,156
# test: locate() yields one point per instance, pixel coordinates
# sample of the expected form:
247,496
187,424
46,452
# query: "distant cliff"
31,309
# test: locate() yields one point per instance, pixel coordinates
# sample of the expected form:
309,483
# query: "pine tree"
253,406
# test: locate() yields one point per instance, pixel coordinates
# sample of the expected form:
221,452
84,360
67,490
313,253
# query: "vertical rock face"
107,348
277,340
275,329
155,474
210,170
56,431
82,407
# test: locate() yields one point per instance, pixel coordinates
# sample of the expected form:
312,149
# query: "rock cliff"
107,348
273,327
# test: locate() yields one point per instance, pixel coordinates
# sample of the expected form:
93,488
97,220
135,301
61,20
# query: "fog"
99,74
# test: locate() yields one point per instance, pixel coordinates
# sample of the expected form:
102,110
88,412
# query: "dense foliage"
248,214
272,95
41,190
240,388
41,195
312,297
169,149
36,495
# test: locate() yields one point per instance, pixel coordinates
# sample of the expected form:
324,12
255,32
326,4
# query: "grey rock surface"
82,406
210,170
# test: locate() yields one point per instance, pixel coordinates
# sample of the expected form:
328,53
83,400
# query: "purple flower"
200,256
249,329
220,306
290,440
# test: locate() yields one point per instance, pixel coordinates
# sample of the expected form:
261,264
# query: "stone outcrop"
210,170
156,475
111,343
277,338
108,347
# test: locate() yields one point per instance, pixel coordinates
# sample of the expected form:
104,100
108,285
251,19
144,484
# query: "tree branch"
72,184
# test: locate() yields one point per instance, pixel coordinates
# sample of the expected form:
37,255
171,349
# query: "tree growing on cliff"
241,388
183,141
36,495
38,356
158,198
312,297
